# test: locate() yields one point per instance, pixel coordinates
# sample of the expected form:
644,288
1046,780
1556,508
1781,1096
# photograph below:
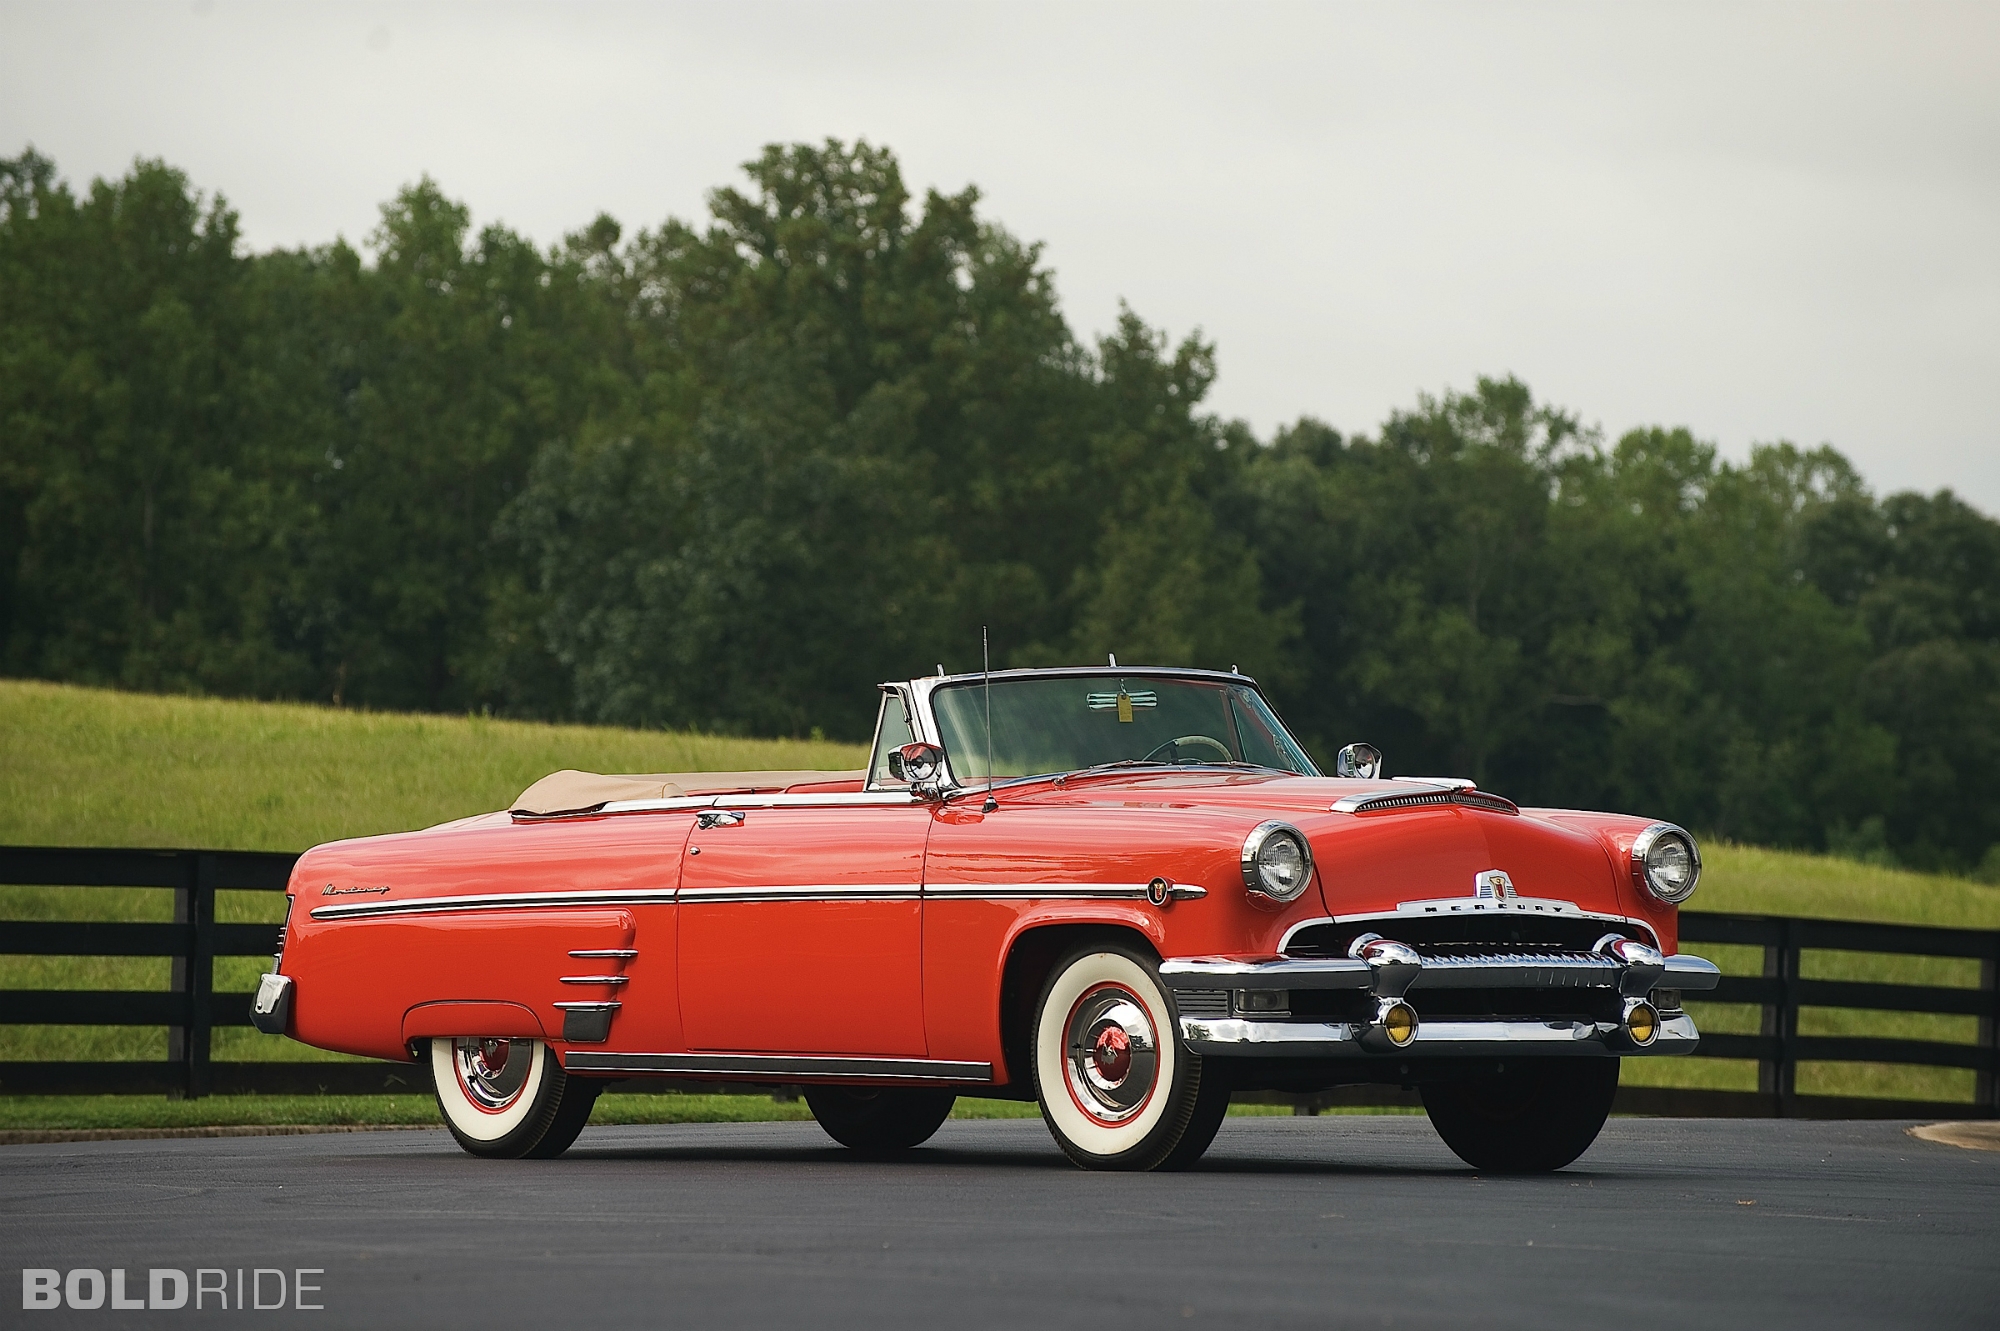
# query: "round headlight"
1666,862
1276,861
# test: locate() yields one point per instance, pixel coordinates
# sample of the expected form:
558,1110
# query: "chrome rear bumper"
271,1009
1392,971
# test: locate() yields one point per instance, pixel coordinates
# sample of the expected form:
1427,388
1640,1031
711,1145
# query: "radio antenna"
986,667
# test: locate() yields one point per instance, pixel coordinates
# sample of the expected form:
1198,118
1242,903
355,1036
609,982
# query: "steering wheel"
1222,753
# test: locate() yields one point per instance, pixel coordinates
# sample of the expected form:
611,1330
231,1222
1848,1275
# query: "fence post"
183,971
194,974
1987,1086
1778,1077
201,986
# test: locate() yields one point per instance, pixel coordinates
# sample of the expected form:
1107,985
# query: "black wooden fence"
191,1010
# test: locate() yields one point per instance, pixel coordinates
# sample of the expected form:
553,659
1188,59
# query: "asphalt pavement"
1289,1222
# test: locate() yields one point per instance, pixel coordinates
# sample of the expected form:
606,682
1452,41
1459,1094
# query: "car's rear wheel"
879,1120
1116,1089
1534,1116
509,1099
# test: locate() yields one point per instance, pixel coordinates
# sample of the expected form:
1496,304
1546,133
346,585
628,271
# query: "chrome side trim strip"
772,892
609,953
620,806
837,799
599,1005
1434,1039
693,896
498,901
1054,891
594,979
777,1066
841,799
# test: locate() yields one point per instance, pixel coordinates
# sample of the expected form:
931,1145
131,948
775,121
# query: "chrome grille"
1469,954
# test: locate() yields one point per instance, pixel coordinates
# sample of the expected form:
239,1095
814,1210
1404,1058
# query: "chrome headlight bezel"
1643,868
1254,846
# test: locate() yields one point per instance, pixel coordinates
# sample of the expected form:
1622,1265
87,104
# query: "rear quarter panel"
358,980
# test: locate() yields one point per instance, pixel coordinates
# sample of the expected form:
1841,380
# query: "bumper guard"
1390,970
271,1009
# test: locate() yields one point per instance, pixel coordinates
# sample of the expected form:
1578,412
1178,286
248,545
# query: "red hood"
1374,861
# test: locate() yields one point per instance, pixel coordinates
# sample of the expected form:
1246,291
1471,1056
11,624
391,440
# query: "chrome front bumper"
1390,971
1346,1039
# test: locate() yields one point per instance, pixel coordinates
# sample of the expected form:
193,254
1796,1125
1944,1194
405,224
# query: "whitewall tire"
508,1098
1116,1089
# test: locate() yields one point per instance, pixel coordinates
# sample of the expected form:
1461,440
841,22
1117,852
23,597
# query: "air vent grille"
1204,1003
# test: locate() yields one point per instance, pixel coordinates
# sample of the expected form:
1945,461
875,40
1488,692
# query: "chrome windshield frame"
918,693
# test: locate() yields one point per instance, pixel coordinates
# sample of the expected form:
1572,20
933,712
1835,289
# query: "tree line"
729,475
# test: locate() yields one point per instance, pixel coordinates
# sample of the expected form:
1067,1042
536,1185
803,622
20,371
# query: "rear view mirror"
918,764
1358,760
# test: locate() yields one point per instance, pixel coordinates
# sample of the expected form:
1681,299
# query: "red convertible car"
1123,893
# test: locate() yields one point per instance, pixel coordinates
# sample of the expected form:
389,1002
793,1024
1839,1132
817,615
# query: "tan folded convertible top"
570,791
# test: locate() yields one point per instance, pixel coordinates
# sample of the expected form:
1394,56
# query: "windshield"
1065,723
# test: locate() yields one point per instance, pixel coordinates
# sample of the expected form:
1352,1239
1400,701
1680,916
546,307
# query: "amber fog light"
1398,1021
1642,1022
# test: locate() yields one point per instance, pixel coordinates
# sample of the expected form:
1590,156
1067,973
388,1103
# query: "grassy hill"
88,767
92,767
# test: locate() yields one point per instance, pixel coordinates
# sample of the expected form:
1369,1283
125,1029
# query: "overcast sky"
1775,221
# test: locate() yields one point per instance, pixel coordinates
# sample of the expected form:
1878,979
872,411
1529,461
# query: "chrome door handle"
708,818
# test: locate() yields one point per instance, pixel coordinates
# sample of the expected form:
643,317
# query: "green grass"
1753,881
1750,880
92,767
88,767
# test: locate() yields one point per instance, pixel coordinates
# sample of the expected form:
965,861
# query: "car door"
801,926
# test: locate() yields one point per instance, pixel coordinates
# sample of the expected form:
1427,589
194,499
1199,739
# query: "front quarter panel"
1615,833
990,879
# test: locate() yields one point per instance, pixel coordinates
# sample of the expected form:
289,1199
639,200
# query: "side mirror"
918,764
1358,760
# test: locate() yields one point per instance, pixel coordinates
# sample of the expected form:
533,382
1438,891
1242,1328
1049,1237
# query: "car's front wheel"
1116,1089
1534,1116
509,1099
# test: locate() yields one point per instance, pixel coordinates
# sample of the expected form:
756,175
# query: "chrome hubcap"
1113,1054
493,1072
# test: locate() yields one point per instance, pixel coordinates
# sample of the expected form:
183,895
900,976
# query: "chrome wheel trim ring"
1111,1054
492,1072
